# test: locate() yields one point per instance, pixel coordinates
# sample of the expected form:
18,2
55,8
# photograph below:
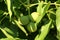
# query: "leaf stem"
45,3
28,8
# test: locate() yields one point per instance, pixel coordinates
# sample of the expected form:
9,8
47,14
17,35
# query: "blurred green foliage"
17,21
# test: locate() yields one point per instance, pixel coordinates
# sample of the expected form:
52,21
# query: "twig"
44,3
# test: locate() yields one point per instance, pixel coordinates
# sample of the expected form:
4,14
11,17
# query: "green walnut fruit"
34,16
24,20
31,27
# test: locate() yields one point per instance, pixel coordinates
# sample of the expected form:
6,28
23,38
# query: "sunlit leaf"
58,22
21,27
39,8
8,30
44,9
6,34
8,3
44,31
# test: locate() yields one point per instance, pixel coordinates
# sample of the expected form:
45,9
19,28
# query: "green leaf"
36,38
4,39
11,39
8,30
21,27
8,3
44,31
6,34
9,27
58,18
39,8
58,22
58,1
44,9
46,0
